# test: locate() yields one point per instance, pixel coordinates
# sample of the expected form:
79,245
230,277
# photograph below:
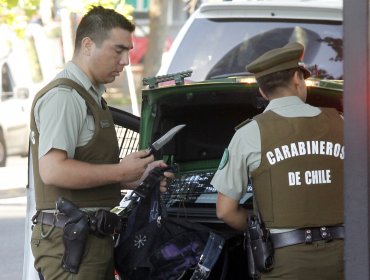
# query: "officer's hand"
133,166
168,176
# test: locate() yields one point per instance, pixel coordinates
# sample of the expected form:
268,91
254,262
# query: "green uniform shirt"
68,126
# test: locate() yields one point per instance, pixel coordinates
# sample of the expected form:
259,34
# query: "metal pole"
356,137
132,90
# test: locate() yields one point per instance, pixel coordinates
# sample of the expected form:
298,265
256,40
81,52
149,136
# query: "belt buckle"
308,238
325,234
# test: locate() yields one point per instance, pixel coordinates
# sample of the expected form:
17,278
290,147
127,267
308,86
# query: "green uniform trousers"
317,261
97,262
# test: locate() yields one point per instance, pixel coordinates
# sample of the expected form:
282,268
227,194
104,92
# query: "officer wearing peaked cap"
288,154
276,60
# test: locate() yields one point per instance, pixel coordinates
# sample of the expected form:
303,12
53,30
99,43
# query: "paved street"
12,223
13,179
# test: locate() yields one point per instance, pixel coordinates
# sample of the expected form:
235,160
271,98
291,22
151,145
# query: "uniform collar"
84,79
284,102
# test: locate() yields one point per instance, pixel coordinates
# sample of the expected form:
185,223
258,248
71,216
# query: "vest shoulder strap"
66,82
80,89
243,123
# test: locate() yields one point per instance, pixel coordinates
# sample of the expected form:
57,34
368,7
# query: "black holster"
104,223
259,248
74,239
75,235
253,273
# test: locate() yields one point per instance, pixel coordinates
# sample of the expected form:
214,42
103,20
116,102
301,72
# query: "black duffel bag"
153,246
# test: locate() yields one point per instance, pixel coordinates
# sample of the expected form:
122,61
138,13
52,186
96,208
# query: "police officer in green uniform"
74,147
293,154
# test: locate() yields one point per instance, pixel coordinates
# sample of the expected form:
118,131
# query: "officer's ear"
87,46
263,94
297,78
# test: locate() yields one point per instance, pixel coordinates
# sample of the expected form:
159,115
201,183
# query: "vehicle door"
127,129
14,116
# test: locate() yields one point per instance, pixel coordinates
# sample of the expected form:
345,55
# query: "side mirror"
22,93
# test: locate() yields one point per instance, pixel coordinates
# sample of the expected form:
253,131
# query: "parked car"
14,115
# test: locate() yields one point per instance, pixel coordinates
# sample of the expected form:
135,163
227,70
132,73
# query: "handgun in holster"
75,235
252,270
259,247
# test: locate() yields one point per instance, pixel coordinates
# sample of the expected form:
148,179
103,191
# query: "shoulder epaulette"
243,123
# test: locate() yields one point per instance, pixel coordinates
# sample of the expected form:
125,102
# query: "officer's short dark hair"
269,83
97,24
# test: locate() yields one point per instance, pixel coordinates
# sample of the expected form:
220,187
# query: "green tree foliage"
16,14
81,7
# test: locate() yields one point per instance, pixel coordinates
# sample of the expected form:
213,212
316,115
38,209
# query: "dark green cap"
287,57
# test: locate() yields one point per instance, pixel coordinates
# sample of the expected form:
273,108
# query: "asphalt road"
13,179
12,224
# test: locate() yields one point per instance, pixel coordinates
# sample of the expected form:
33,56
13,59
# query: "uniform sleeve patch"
224,159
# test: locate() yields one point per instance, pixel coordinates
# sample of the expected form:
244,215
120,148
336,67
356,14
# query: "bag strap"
157,210
148,189
208,259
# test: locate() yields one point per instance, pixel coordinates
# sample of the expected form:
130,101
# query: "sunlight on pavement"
13,208
14,175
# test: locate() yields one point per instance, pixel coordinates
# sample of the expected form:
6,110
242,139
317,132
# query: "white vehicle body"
254,14
14,113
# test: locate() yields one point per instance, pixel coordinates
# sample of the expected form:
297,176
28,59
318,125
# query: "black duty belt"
58,220
306,235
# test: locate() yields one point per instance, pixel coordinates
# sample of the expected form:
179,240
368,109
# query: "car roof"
287,9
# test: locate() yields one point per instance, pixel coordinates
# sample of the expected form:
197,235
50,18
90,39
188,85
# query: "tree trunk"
157,36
